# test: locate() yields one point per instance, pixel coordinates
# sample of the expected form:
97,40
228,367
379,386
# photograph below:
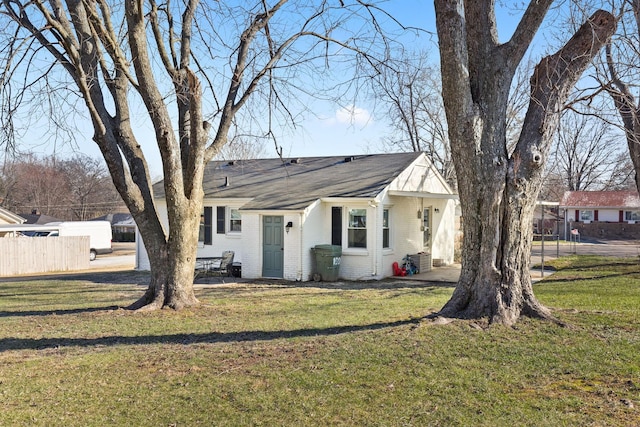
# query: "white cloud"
353,115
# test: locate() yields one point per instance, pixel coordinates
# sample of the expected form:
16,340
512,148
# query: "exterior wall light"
288,226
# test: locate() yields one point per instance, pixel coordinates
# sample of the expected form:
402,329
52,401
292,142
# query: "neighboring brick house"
377,208
602,214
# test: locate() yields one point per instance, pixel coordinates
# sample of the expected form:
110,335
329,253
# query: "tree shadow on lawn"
27,313
8,344
126,277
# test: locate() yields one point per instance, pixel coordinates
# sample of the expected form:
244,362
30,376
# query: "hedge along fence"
28,255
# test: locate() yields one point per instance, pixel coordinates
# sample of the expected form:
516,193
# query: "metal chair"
215,266
222,266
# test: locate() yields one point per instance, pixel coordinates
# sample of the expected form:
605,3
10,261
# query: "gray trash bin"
328,259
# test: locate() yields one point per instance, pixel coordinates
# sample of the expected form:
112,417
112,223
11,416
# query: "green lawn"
278,354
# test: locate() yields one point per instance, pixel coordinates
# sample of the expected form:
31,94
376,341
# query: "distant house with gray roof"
123,226
271,212
35,217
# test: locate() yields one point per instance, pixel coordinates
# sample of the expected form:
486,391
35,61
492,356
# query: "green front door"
272,246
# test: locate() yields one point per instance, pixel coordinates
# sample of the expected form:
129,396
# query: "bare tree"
242,147
498,188
409,89
35,183
90,190
585,152
79,188
193,68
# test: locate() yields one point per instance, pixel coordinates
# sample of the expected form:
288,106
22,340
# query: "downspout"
301,251
374,258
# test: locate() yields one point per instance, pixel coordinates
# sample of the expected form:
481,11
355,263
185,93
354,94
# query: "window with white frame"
386,242
235,220
357,230
426,227
586,215
632,215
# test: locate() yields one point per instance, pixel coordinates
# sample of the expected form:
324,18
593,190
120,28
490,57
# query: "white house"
8,217
601,213
272,212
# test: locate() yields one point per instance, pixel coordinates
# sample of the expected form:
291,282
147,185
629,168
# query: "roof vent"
349,159
227,181
232,162
295,161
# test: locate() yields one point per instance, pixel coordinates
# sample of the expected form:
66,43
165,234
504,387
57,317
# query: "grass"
277,354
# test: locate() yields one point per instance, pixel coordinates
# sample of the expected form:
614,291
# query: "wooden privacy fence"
28,255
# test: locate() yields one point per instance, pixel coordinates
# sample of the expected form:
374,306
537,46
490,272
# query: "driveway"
613,248
123,257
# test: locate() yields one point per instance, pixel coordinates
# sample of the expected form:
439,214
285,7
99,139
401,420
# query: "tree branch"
526,30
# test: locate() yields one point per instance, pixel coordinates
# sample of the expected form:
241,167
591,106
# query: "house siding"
406,232
608,215
356,263
292,249
406,236
251,249
312,226
442,245
312,234
252,240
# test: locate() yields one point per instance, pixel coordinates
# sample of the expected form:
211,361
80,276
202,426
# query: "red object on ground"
397,271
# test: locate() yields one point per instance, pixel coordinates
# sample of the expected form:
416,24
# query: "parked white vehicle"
99,233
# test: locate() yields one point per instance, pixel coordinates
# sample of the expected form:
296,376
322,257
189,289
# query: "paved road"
122,258
615,248
124,262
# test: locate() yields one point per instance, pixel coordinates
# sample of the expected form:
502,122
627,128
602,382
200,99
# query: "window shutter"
336,225
208,224
220,220
620,216
577,215
595,215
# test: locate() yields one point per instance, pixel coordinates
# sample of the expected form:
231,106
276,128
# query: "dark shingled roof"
116,218
39,219
595,199
293,184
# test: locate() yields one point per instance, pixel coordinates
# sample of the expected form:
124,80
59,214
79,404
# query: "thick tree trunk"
168,285
498,190
172,264
495,282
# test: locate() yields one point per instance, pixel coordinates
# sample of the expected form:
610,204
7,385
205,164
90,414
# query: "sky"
331,129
